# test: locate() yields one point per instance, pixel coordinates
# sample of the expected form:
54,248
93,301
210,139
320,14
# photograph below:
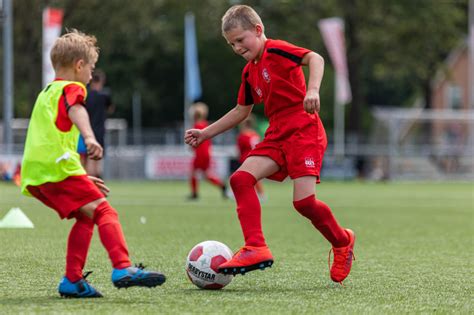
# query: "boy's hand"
94,149
193,137
311,101
100,184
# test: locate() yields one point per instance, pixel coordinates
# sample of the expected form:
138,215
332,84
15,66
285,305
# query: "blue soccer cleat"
137,276
78,289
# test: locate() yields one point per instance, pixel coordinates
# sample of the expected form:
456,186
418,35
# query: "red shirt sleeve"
73,94
245,96
287,50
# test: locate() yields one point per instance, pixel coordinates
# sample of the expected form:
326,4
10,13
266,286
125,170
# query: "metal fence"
406,146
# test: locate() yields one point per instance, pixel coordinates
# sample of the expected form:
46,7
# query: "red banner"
52,24
332,30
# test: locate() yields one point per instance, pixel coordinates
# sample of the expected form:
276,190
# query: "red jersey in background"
202,154
246,141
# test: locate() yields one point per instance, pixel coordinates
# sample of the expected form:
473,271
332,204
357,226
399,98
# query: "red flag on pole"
52,24
332,30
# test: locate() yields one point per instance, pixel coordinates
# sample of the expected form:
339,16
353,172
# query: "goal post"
424,143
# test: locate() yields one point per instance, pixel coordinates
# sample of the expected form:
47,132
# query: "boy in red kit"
202,154
52,172
247,139
293,145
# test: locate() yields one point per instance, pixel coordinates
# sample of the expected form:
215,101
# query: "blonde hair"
74,46
240,15
199,111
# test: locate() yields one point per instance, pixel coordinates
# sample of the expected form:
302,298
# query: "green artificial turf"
414,252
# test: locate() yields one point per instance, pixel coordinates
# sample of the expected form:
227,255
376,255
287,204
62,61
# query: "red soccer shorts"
296,141
201,162
67,196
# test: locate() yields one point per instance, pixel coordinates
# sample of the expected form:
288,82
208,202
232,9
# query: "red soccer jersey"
276,79
246,141
73,94
204,149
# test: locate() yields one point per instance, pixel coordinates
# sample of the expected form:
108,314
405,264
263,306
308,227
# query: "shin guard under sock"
111,235
248,207
78,246
322,218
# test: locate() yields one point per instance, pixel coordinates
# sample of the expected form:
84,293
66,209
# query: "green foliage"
394,47
413,252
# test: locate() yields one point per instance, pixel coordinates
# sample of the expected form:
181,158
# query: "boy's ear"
258,29
78,64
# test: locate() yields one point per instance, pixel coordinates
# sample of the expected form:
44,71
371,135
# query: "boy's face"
83,71
246,43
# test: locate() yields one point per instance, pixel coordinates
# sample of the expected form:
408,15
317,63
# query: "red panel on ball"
214,286
196,253
216,261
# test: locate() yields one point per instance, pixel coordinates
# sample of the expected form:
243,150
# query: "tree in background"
394,48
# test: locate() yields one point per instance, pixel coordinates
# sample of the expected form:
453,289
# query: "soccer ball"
202,263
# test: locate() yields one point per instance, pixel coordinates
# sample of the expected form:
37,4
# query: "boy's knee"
242,178
104,212
305,206
90,208
82,218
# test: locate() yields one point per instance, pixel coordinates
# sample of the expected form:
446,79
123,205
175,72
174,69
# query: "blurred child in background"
202,154
247,139
98,105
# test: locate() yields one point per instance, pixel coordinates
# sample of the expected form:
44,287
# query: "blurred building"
450,87
451,95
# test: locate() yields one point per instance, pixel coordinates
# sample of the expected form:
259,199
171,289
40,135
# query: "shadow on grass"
260,290
45,301
54,300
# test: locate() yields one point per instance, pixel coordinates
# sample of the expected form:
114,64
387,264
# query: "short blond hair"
74,46
240,15
199,111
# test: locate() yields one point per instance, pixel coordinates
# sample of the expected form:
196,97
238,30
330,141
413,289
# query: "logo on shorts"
309,162
265,75
258,91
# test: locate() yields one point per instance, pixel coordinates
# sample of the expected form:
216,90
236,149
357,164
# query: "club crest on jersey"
266,75
309,162
258,91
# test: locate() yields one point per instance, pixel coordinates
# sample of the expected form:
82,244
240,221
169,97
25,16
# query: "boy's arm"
79,117
316,70
235,116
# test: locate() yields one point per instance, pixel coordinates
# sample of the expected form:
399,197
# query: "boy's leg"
317,211
320,215
110,231
213,179
193,181
243,183
78,246
255,254
73,284
112,237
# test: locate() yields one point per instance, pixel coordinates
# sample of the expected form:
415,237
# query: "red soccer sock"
248,208
322,218
194,185
111,235
78,246
215,181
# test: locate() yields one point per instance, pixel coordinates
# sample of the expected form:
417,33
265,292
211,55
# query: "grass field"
414,252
